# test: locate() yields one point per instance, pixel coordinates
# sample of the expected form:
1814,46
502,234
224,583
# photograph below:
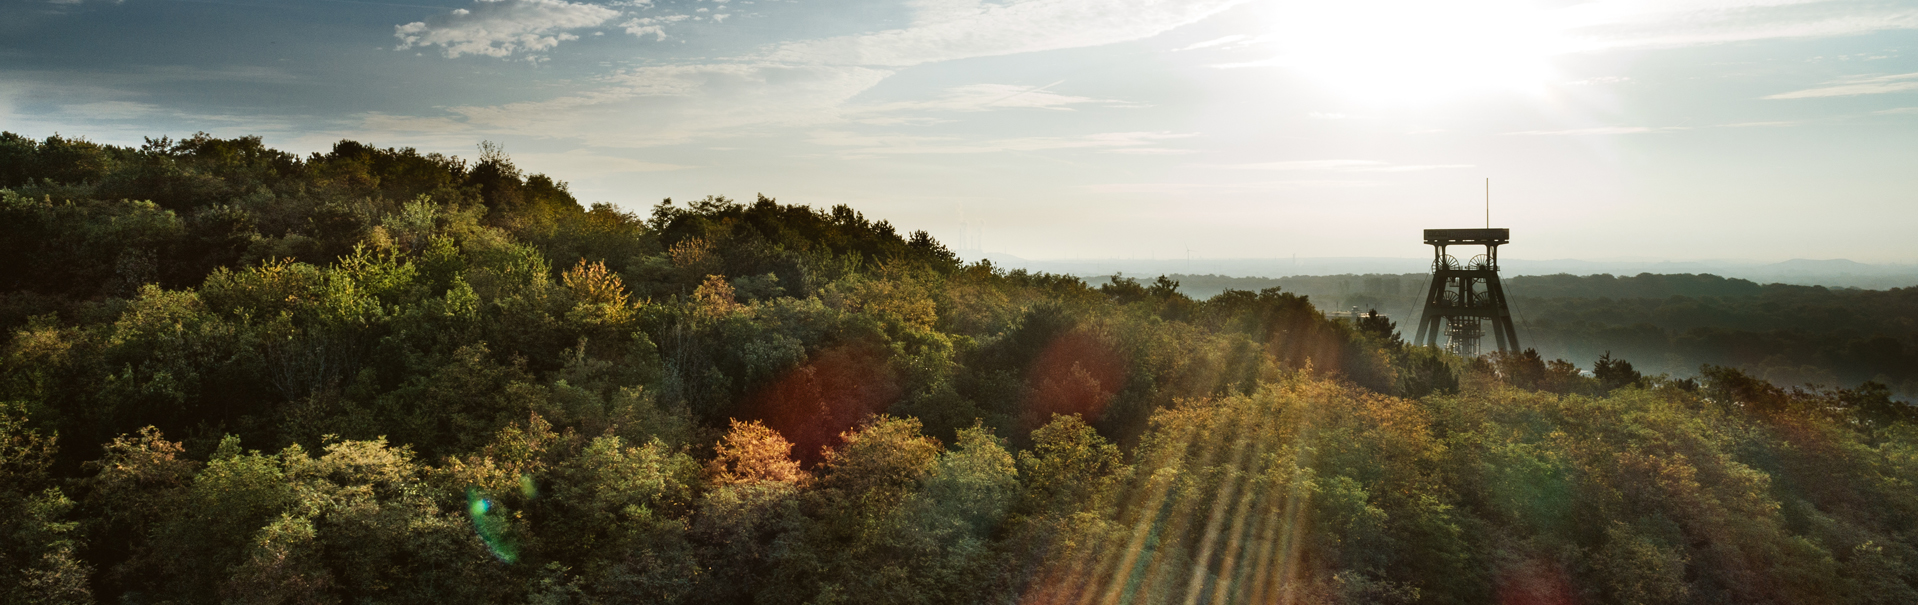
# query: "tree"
1613,374
40,557
1378,326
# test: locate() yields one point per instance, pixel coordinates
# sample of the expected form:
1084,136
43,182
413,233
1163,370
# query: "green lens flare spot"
489,521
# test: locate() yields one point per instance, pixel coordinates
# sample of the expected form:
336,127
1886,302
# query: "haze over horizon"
1764,130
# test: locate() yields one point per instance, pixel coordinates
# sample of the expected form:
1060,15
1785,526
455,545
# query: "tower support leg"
1502,320
1431,320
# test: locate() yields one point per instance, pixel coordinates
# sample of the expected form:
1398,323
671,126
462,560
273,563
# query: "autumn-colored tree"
233,374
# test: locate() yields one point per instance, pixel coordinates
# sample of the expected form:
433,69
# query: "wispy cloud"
582,163
1608,24
656,26
1586,27
1602,130
1617,130
987,97
1599,80
859,145
502,28
1152,151
1864,85
1342,166
935,11
1004,29
804,84
1232,41
115,110
1218,188
669,104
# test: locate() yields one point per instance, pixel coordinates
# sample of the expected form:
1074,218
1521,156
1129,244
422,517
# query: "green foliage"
40,556
1671,324
383,376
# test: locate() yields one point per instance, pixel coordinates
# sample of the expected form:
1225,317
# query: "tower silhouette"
1464,295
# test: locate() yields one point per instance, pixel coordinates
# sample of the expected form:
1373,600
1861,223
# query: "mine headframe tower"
1465,295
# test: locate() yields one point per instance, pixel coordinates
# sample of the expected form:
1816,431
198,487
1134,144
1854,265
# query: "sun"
1409,52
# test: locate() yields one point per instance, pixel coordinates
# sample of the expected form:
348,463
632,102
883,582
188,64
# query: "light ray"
1220,501
1154,567
1267,542
1234,546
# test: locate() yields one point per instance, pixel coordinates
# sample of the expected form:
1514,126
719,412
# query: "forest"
231,374
1672,324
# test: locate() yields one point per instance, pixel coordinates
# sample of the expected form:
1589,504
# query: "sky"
1759,130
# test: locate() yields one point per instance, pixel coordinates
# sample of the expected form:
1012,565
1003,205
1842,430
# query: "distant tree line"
1676,323
231,374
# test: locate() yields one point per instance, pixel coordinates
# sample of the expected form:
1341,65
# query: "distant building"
1353,315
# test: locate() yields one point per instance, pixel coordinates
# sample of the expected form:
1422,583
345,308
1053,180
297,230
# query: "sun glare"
1397,52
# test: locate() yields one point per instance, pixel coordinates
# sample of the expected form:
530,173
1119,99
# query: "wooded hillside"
373,375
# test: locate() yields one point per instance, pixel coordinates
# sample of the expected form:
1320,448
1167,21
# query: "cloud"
652,25
1602,130
581,163
1151,151
1307,165
935,11
1873,85
1599,80
1239,39
1266,62
115,110
1213,188
987,97
1611,130
385,122
859,145
1002,29
804,84
1603,25
1607,24
502,28
1342,166
1898,110
669,104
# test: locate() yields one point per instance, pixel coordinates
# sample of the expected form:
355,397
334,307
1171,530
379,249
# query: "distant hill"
1832,273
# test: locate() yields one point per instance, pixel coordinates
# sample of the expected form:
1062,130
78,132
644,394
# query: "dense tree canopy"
1789,334
236,375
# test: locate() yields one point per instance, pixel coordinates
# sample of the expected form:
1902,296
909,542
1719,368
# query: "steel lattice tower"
1463,296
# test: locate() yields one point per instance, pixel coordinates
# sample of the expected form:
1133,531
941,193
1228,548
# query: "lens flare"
1077,373
489,521
835,390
